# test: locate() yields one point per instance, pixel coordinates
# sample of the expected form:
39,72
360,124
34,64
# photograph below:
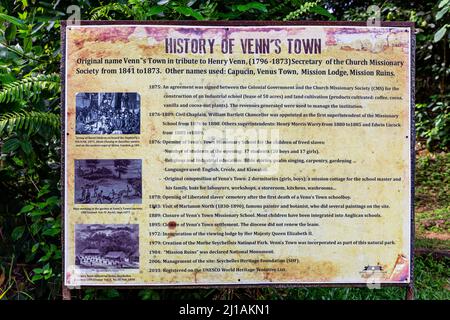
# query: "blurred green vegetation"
30,220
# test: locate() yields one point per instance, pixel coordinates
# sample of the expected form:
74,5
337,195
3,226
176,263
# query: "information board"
245,153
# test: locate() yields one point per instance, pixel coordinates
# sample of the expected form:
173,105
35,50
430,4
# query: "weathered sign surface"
249,154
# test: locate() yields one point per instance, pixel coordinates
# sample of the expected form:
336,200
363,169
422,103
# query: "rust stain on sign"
172,224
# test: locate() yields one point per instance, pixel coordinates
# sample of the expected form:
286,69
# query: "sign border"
237,23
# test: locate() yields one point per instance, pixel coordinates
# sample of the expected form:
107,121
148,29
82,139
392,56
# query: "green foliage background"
30,219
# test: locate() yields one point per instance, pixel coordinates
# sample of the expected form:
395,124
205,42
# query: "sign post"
238,154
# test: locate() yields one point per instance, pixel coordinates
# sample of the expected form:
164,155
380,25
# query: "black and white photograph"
108,113
108,181
107,246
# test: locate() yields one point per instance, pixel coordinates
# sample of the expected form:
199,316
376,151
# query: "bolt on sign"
244,153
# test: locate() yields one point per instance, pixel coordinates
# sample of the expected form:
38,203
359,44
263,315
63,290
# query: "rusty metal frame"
66,294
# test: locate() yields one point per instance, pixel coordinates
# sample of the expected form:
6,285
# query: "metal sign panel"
239,153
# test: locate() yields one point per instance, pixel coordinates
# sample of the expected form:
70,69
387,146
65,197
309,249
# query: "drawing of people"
99,197
83,194
88,196
119,197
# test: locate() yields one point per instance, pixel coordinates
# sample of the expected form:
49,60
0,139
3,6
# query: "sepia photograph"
108,113
108,181
107,246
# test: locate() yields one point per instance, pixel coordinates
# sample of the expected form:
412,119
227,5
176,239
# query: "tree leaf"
26,209
441,13
54,200
155,10
37,270
189,12
35,228
440,33
26,147
252,5
11,145
323,12
38,213
13,20
27,44
443,3
43,190
17,233
11,32
53,231
36,277
35,247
